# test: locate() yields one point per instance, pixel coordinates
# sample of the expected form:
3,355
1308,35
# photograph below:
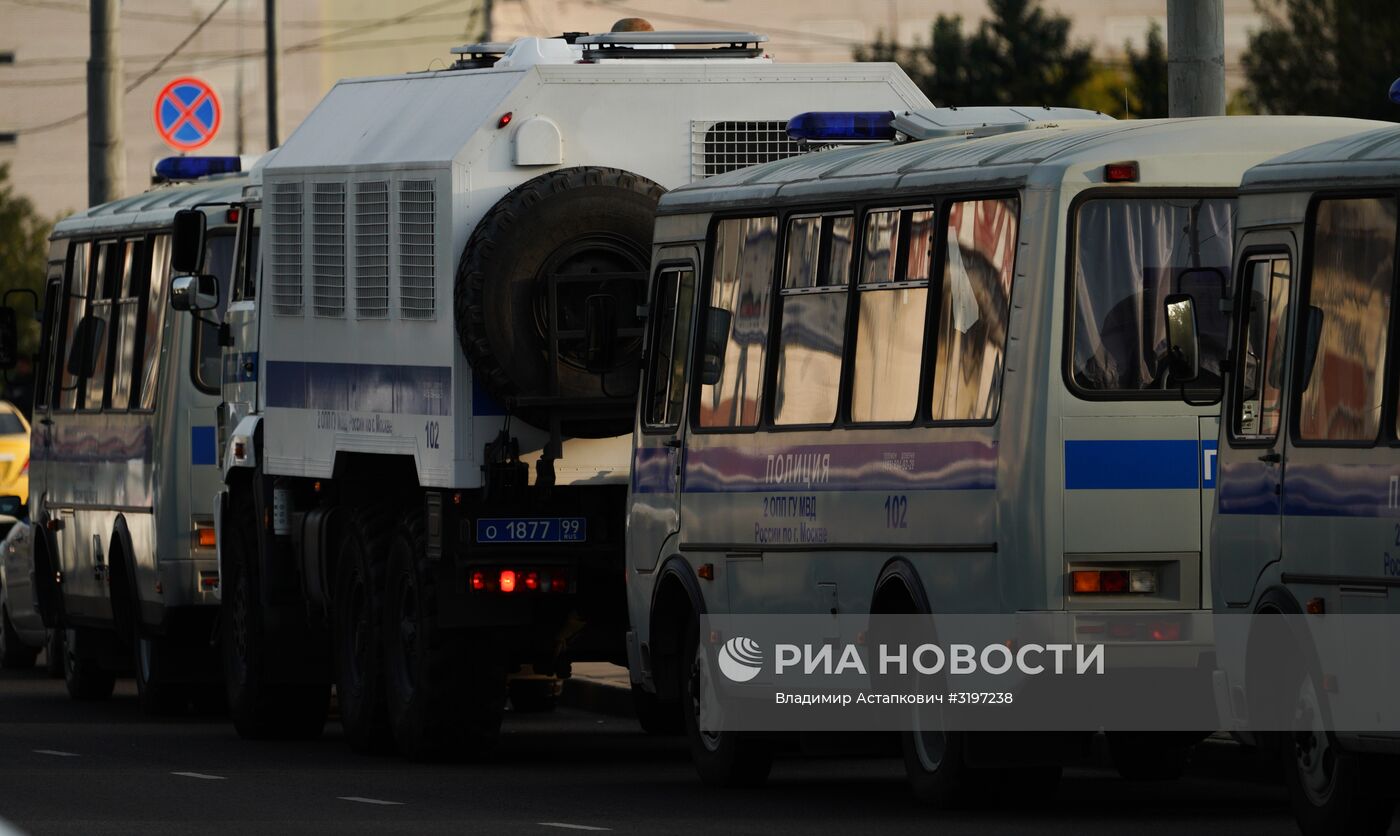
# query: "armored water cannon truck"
431,365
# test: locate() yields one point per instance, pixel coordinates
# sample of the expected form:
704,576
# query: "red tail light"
532,580
478,580
507,580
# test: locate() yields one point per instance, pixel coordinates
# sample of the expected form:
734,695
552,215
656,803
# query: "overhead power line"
316,44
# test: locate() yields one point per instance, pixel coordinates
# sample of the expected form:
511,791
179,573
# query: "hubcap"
1313,754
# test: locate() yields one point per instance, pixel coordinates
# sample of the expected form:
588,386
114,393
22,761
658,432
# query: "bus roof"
151,208
1370,157
1181,152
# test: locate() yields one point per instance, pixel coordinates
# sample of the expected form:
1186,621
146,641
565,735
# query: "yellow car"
14,453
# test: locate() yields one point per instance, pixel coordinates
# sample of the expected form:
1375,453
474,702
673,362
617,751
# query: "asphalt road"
73,768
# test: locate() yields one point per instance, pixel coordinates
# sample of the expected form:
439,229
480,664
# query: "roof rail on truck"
672,45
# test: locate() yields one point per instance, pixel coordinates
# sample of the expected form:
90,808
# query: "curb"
598,697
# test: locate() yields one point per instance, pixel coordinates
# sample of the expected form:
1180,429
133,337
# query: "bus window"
75,302
811,340
128,307
891,306
53,311
973,311
208,359
675,301
112,262
1353,268
1266,282
741,285
247,273
1130,254
153,319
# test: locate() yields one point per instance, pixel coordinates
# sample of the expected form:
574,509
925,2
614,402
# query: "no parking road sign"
187,114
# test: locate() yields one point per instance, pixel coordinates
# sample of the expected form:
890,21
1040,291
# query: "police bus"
952,351
1308,513
122,471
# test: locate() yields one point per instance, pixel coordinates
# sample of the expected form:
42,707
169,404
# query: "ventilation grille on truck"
328,249
372,250
417,210
284,224
721,147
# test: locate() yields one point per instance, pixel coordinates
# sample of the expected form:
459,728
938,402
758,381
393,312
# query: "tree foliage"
1147,76
1020,54
24,245
1325,57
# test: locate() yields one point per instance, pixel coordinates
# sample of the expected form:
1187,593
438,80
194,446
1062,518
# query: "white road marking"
56,753
200,775
565,825
361,800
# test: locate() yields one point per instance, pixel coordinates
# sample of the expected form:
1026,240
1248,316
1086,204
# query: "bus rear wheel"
259,709
445,689
721,758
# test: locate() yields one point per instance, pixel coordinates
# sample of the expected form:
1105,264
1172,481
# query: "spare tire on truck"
575,236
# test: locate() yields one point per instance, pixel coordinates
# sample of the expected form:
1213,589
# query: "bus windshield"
1129,255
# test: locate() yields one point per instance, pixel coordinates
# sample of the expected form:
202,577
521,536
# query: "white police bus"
1308,515
122,468
952,353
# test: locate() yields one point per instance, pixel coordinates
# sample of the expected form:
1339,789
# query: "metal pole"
238,134
1196,57
274,72
106,155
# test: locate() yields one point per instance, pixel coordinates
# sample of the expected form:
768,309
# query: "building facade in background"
44,49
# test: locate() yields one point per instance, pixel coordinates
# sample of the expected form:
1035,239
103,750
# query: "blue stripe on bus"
360,387
1138,464
203,448
916,466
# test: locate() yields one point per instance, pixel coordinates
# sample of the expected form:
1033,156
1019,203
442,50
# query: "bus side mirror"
717,321
187,242
87,342
9,339
1183,346
1311,338
600,332
195,293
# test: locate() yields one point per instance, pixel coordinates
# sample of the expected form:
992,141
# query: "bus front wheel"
1331,790
722,758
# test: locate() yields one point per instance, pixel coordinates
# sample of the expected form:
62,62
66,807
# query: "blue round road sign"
187,114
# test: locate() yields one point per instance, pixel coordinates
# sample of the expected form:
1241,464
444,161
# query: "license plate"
532,530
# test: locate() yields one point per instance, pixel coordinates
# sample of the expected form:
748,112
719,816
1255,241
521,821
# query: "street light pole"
1196,57
106,155
273,28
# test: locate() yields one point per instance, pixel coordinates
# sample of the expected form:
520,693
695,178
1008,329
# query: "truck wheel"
53,654
359,620
259,709
14,654
153,662
575,222
1331,790
446,689
82,671
721,758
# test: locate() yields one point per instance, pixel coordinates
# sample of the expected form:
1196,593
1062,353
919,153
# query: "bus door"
1341,487
1250,467
659,446
240,369
41,426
